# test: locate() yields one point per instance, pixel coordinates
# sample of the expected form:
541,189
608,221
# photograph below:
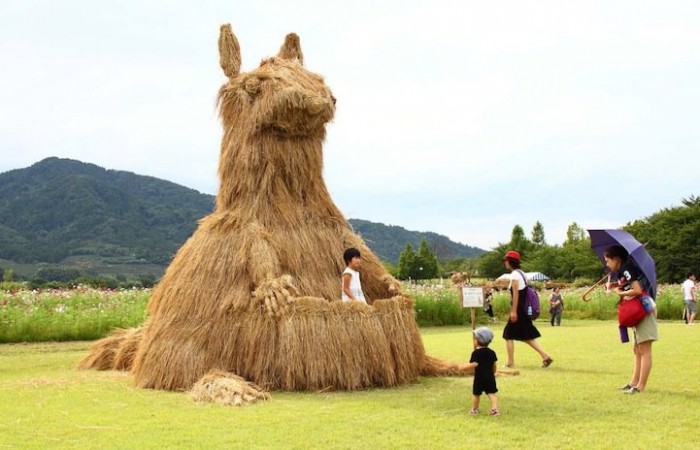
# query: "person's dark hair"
514,263
350,254
616,251
690,274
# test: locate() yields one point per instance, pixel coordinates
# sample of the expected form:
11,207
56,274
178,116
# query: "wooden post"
473,311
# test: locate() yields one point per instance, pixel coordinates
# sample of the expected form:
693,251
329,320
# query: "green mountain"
59,208
388,241
62,211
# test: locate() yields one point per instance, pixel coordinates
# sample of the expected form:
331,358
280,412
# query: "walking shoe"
494,412
626,387
473,411
632,390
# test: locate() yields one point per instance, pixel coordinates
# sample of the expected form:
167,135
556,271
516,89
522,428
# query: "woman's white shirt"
518,276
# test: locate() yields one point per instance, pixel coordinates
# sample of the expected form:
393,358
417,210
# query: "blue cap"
483,335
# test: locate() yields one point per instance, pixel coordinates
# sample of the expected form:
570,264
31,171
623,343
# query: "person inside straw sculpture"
253,293
352,288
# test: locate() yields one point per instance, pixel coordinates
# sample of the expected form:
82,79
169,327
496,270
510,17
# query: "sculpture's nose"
315,105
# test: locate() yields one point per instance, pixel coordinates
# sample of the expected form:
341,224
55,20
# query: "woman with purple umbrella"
645,332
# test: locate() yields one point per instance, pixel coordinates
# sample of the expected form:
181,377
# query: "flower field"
68,314
86,313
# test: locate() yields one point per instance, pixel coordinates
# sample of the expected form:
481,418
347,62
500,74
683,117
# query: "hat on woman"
512,254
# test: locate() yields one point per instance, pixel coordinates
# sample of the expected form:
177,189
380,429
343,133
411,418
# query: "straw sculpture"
255,292
458,278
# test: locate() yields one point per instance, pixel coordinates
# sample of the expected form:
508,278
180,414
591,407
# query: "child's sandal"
473,411
494,412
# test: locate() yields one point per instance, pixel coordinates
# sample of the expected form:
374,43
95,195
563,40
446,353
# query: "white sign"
472,297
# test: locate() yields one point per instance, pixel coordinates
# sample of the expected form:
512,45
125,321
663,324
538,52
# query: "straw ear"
229,52
291,49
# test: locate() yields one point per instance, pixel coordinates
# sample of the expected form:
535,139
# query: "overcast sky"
460,117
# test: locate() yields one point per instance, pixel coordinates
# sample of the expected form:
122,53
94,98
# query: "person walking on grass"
519,326
483,360
352,288
556,306
646,331
690,298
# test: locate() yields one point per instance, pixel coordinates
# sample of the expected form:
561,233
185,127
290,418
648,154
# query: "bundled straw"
226,389
256,290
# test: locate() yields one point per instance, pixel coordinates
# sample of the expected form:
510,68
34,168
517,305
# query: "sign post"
472,297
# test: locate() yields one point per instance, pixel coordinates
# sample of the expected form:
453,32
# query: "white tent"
531,276
536,276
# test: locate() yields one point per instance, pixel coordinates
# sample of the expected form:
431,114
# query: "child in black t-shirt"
483,360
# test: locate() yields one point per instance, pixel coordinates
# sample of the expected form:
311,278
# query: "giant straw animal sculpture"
255,292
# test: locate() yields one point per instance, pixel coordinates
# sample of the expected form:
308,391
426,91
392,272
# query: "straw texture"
255,291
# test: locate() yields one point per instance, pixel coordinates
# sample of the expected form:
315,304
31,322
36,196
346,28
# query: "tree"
427,262
538,235
577,260
491,263
406,261
546,259
574,233
671,237
9,275
518,241
417,266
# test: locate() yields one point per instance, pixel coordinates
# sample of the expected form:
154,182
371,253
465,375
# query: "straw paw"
276,294
392,284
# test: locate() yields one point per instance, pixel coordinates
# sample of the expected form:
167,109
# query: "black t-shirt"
484,378
626,275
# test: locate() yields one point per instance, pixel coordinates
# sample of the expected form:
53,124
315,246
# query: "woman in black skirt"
519,326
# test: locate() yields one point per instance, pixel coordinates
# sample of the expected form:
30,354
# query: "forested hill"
388,241
58,210
60,207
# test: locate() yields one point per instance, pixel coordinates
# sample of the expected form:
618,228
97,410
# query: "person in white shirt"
519,326
352,288
690,299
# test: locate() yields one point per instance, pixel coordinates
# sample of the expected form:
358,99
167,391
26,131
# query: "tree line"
672,237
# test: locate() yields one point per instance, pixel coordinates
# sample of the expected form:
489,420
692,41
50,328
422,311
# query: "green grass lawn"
46,403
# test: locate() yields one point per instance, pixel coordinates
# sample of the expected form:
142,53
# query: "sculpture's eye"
333,99
252,86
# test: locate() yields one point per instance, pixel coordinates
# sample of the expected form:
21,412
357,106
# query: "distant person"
352,288
556,306
646,331
483,360
690,298
488,302
520,326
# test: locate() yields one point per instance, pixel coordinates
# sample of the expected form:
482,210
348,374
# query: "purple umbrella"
602,239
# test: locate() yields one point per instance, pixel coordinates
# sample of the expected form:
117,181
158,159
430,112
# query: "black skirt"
523,329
